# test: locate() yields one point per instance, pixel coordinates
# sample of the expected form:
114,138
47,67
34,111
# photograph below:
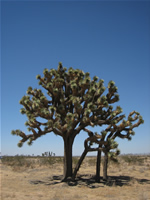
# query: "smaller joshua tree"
122,130
106,140
95,138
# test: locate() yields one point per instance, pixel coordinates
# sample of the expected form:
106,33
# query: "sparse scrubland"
40,178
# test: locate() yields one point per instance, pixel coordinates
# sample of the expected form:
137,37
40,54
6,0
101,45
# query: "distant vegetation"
30,161
20,162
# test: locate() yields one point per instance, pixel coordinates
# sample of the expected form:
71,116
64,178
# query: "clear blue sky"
110,39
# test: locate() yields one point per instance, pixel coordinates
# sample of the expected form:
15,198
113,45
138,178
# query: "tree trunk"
98,165
79,164
68,142
105,165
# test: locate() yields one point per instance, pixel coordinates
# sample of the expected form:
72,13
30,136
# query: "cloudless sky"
110,39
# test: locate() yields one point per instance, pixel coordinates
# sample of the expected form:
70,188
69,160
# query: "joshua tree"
102,144
106,140
73,102
122,130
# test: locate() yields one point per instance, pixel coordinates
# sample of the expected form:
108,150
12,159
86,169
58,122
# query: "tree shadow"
124,180
89,181
48,180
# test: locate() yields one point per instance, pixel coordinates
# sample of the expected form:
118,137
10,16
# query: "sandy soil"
126,181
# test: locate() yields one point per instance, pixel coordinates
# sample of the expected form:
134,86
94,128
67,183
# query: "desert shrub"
47,161
14,160
134,159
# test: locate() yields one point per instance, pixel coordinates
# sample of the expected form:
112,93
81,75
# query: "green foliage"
119,110
23,111
131,132
141,120
129,138
111,84
16,132
20,144
13,132
29,91
116,97
95,78
38,77
30,142
118,152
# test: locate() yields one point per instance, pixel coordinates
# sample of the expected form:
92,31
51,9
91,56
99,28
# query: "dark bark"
105,165
79,164
68,142
98,165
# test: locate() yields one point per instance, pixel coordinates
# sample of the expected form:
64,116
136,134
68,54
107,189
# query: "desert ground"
40,179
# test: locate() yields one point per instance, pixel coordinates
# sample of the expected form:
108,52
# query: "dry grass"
40,178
